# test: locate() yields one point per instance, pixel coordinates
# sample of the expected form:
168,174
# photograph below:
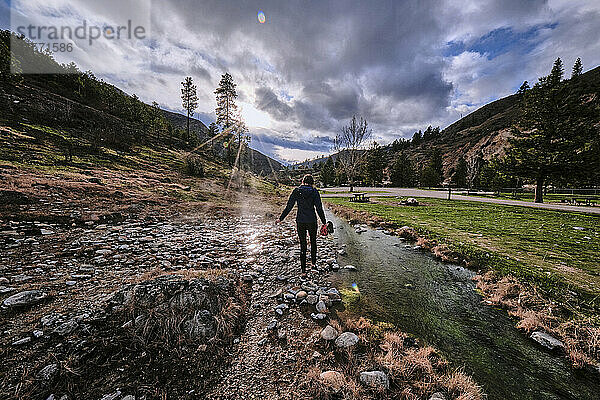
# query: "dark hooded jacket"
308,200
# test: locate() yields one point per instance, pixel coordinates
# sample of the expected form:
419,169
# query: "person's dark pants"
311,228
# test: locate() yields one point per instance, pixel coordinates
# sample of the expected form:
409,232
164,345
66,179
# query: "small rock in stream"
547,340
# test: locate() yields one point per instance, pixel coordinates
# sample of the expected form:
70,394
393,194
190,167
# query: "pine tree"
229,118
158,123
226,107
328,172
577,69
555,134
437,166
402,173
374,165
189,100
524,87
460,174
556,75
416,139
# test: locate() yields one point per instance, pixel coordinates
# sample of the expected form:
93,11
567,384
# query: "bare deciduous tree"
473,166
348,144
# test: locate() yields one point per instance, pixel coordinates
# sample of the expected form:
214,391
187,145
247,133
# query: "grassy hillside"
87,110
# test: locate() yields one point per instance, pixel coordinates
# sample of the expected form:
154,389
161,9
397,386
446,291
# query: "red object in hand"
324,230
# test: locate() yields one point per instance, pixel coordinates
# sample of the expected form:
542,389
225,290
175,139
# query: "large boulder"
375,379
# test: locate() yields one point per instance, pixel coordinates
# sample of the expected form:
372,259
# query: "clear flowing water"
438,303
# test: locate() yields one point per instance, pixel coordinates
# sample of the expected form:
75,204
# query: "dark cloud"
200,72
268,101
401,64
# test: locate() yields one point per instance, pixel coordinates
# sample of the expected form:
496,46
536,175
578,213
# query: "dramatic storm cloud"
311,65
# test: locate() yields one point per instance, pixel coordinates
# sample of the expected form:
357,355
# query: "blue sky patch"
500,41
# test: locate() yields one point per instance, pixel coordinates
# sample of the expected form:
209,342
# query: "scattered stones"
21,278
23,341
346,339
547,340
329,333
375,379
48,372
281,308
24,299
272,325
301,295
112,396
321,307
312,299
319,316
66,327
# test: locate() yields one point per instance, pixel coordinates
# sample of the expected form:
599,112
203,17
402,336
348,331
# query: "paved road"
441,194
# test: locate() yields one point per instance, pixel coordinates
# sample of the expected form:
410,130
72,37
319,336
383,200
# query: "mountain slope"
261,163
485,131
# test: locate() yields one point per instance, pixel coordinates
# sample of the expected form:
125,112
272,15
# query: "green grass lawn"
543,246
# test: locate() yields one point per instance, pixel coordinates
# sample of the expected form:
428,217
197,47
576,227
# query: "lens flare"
355,287
261,17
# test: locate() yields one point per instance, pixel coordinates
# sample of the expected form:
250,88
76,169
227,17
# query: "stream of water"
438,303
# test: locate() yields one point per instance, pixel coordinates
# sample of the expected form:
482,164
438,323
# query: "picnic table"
581,201
359,198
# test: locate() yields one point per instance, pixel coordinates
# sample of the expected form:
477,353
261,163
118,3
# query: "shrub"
193,166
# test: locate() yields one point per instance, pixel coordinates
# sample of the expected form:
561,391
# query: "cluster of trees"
106,116
555,141
95,109
228,135
418,138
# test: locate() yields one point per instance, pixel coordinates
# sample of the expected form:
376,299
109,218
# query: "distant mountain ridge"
261,163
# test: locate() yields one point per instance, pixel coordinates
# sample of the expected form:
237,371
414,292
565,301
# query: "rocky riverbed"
201,306
59,286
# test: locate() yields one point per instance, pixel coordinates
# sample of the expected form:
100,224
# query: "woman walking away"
308,200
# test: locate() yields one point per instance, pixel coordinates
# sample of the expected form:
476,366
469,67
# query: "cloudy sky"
311,65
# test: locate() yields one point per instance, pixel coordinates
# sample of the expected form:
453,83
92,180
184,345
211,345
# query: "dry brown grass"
414,372
581,336
461,386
